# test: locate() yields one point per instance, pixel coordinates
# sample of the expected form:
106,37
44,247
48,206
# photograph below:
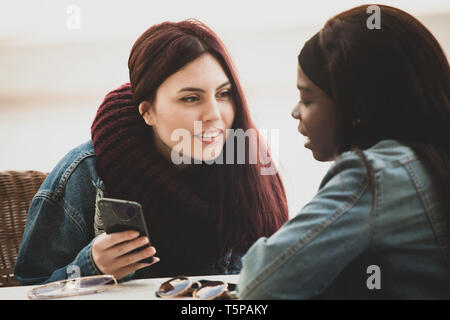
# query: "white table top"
143,289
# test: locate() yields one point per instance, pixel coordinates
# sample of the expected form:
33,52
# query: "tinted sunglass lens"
174,287
91,282
47,290
210,291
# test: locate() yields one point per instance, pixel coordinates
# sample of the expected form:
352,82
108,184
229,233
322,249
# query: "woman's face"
318,118
195,105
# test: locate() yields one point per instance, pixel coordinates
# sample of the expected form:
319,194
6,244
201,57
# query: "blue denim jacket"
62,224
339,246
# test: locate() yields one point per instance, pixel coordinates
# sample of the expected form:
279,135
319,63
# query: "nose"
296,112
211,111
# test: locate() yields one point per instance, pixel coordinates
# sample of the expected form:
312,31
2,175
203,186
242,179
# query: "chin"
321,157
208,155
318,158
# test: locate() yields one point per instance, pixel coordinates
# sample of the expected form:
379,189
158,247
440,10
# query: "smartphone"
121,215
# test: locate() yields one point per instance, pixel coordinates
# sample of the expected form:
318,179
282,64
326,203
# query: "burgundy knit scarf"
178,204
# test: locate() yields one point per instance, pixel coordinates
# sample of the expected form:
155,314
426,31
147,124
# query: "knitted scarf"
178,204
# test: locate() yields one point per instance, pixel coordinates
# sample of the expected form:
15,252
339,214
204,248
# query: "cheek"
327,136
307,120
319,127
227,114
171,120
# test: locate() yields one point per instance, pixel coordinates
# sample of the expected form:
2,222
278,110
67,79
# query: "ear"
145,109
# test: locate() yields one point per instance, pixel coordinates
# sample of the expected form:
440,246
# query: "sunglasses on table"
202,289
73,287
174,288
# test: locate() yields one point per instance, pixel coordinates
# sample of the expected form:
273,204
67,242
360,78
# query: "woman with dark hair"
201,215
377,103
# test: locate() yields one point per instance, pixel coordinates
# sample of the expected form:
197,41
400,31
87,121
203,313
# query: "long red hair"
250,205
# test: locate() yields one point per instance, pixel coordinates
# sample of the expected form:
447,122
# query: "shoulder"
389,153
76,168
385,154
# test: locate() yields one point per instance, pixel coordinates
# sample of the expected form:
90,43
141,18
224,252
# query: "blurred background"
58,59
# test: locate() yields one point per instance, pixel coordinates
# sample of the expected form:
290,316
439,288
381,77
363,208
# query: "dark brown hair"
251,205
390,83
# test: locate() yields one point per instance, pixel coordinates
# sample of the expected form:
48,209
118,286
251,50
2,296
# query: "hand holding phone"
125,247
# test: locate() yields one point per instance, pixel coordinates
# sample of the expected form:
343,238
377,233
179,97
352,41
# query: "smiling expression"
199,93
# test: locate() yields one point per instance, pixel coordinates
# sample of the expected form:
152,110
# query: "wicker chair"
17,189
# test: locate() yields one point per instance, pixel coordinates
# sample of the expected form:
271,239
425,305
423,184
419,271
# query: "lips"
308,140
307,144
301,131
210,135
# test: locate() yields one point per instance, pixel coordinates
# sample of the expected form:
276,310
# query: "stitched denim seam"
72,214
92,262
48,196
377,207
426,202
394,163
406,160
422,196
68,172
293,249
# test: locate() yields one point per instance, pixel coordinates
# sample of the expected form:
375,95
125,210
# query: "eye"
305,102
190,99
225,94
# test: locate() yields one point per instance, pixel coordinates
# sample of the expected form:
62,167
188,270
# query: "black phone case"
114,221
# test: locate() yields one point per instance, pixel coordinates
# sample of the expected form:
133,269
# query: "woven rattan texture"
17,189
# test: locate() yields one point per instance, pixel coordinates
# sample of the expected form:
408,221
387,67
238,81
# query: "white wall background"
53,79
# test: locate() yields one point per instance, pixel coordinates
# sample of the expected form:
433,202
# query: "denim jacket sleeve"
59,230
312,248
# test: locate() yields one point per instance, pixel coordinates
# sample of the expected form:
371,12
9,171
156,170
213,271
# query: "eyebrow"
191,89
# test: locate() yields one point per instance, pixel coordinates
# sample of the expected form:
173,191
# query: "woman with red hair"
202,215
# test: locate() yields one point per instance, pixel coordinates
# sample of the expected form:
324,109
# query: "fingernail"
133,234
144,240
